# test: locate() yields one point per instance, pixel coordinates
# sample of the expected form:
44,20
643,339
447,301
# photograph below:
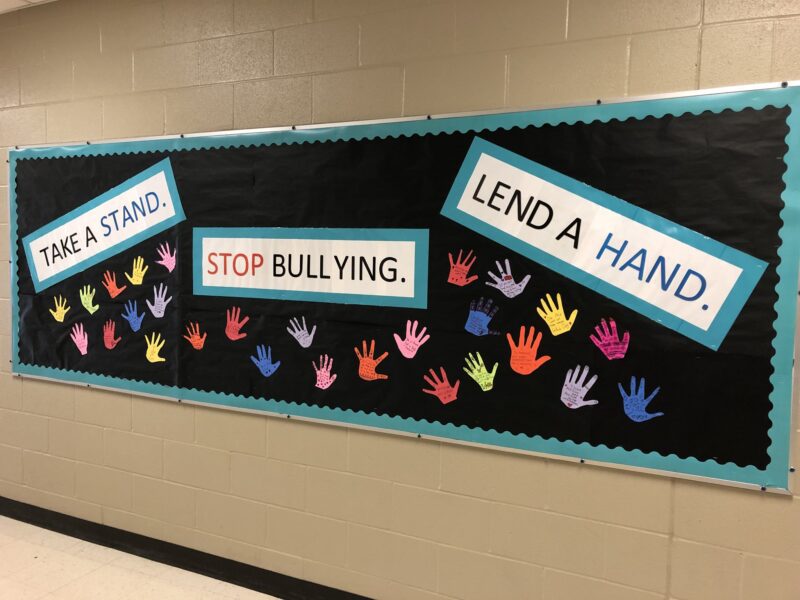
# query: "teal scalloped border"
776,475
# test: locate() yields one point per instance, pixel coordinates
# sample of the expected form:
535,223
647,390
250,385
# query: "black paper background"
718,174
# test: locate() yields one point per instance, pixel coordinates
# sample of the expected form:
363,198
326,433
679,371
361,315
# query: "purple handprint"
608,340
481,313
160,301
168,257
301,334
635,404
80,338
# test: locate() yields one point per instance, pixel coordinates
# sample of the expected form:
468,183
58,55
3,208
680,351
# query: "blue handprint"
134,320
264,361
635,404
480,313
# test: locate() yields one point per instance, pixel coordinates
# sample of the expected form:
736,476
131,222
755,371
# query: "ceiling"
9,5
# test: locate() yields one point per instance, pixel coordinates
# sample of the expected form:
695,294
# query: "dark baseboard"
224,569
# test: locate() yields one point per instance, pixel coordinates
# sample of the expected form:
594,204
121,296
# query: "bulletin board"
613,283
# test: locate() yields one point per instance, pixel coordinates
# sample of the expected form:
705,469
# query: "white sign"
115,221
328,265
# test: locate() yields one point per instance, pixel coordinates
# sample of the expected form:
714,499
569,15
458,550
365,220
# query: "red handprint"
109,340
194,338
367,363
441,388
524,359
233,324
110,283
459,270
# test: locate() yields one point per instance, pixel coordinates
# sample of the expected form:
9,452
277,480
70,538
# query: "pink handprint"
324,378
168,257
79,338
608,340
408,347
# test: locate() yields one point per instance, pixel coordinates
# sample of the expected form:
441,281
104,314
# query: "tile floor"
38,564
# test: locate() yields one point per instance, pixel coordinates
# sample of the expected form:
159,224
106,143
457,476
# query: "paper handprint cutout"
635,404
301,334
86,295
110,283
481,312
608,341
264,361
476,369
459,269
131,316
167,256
367,363
553,314
576,387
80,338
139,269
504,281
441,388
409,345
524,354
61,309
324,377
154,346
233,325
109,339
193,336
160,301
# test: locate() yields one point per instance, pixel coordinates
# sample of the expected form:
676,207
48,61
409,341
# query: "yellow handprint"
87,297
553,314
61,309
154,346
139,269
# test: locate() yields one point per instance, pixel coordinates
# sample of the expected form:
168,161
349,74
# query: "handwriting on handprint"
80,338
86,294
481,312
61,309
110,283
608,341
131,316
576,387
476,369
459,269
410,344
324,377
441,388
233,324
139,269
167,257
553,314
194,338
264,361
367,363
301,334
504,281
524,354
109,339
154,346
635,404
160,301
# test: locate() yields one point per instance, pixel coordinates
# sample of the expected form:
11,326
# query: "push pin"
763,488
598,101
784,84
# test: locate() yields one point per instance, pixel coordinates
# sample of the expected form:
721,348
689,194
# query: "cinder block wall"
380,515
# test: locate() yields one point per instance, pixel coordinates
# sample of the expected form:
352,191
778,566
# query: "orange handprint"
194,338
524,359
367,363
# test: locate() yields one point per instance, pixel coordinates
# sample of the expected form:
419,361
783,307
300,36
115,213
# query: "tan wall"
376,514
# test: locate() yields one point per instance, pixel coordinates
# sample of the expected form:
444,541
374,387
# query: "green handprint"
87,297
477,370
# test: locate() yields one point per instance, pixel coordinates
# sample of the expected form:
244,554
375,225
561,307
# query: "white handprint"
301,334
505,281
